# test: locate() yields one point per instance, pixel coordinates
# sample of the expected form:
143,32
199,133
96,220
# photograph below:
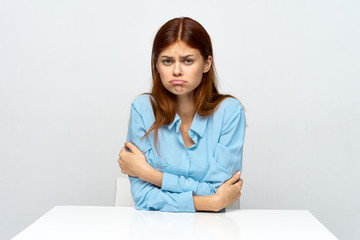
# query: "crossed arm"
134,164
155,190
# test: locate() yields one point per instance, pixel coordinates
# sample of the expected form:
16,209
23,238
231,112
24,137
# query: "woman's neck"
185,107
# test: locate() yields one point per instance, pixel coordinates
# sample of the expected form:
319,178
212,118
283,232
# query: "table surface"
86,222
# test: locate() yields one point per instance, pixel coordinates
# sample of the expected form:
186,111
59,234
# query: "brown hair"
206,95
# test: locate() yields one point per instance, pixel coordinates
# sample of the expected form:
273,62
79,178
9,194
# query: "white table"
80,222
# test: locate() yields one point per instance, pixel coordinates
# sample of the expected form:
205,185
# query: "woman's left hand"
132,163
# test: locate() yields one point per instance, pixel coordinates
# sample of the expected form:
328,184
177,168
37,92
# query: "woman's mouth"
177,82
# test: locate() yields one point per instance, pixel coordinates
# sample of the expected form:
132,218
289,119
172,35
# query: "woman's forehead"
179,48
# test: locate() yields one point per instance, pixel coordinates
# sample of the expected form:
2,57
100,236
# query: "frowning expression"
181,68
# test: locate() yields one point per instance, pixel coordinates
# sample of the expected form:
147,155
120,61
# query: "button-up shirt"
198,170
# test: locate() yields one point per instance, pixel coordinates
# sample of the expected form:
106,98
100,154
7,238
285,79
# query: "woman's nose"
177,71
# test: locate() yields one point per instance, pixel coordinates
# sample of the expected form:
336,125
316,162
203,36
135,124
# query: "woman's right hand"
229,191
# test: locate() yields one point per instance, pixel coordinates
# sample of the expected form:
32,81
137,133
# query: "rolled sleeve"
170,182
149,197
175,183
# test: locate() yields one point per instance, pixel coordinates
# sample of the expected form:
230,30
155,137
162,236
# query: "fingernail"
238,173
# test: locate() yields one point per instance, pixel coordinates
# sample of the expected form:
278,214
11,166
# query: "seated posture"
185,140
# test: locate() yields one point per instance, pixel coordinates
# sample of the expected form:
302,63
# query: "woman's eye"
188,61
167,62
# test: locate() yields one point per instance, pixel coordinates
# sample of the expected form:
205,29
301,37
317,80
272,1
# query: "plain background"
70,69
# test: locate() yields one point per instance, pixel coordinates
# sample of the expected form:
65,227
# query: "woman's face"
181,68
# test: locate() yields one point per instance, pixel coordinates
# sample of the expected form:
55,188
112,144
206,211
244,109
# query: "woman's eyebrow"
164,56
190,55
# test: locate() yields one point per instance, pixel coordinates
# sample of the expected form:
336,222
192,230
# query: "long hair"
206,95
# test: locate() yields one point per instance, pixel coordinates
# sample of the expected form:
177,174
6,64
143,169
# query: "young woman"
185,140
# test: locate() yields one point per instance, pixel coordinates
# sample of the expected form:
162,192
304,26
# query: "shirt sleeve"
146,195
227,158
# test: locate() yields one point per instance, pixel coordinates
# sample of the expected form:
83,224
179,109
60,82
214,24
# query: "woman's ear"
207,64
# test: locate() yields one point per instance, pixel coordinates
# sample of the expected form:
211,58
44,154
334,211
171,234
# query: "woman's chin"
178,90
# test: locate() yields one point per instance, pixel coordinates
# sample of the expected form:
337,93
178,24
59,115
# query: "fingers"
234,178
131,147
121,161
122,152
239,183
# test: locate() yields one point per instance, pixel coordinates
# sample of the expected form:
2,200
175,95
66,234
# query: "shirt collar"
176,119
198,125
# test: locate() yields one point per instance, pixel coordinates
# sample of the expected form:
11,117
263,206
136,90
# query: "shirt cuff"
186,203
170,182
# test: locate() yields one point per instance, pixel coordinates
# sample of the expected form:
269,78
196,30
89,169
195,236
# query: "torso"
191,154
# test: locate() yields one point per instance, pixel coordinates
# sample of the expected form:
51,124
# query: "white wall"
70,69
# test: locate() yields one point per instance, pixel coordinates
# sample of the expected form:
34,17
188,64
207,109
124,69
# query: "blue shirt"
198,170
